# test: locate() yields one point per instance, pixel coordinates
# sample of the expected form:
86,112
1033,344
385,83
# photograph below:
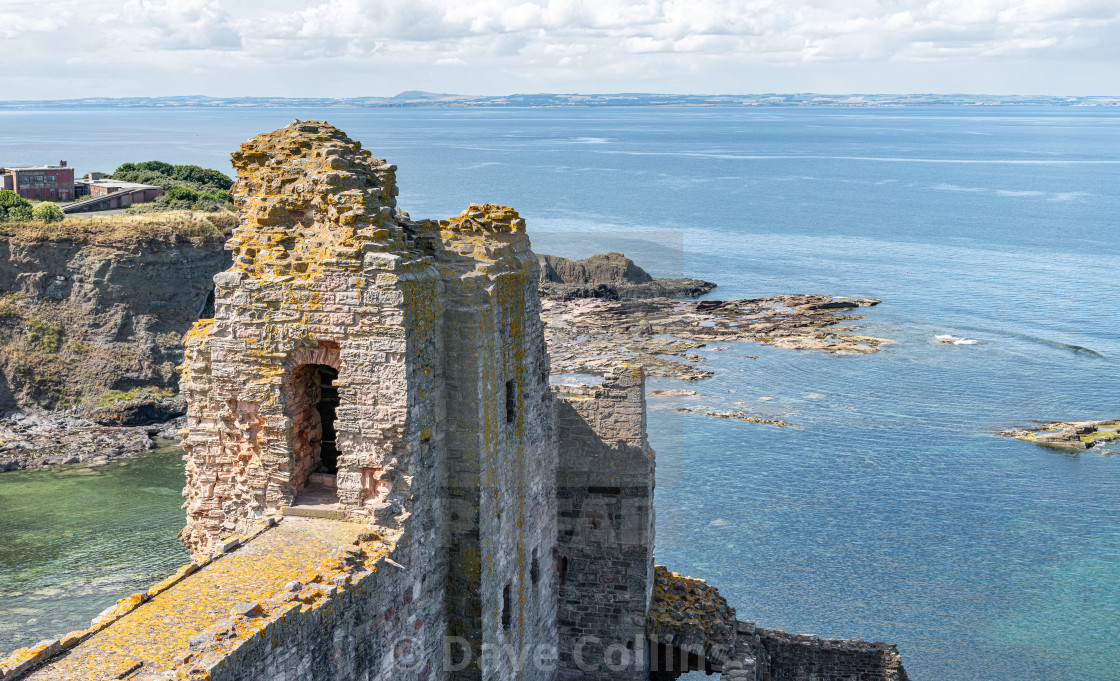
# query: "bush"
166,175
186,187
179,193
13,208
47,212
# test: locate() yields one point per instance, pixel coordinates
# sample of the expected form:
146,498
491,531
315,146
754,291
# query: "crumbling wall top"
689,614
310,187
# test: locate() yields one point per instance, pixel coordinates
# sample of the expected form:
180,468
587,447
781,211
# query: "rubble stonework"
365,367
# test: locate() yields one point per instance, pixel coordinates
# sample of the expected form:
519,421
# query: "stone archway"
312,402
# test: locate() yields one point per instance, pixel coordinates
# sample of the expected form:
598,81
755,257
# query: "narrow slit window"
511,401
507,607
535,569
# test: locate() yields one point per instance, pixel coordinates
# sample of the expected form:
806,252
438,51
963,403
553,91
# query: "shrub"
47,212
180,193
12,207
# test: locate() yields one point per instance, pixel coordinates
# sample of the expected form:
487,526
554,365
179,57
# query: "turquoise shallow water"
889,510
73,540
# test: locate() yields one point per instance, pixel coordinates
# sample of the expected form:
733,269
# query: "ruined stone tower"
381,484
429,334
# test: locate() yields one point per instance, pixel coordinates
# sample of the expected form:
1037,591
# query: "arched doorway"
312,404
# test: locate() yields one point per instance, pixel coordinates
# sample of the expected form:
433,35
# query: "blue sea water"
889,510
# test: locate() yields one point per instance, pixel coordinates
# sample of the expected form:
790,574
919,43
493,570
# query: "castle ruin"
383,484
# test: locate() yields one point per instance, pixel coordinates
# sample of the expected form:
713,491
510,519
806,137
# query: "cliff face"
82,315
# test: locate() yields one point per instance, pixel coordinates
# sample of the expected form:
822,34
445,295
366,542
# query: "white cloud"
178,24
12,25
503,45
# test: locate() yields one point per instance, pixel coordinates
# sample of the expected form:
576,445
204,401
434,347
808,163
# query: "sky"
350,48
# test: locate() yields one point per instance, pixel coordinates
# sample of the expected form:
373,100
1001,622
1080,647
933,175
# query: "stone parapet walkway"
157,634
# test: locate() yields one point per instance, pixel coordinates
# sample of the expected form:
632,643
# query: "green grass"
173,226
115,397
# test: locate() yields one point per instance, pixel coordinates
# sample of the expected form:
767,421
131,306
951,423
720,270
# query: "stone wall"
322,275
501,443
382,625
793,657
606,522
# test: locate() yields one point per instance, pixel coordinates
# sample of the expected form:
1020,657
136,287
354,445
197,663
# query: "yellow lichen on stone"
689,612
157,631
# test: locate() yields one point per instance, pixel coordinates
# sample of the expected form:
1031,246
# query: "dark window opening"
535,568
605,490
326,406
507,607
563,570
208,306
511,402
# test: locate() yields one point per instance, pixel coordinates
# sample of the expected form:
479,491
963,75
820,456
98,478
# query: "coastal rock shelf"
36,438
733,415
1069,434
587,336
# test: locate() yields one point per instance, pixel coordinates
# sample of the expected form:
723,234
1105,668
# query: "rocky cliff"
94,311
612,276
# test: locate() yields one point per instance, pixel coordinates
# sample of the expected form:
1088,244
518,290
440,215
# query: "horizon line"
416,98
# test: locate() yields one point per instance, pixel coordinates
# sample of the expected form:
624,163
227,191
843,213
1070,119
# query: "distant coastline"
437,100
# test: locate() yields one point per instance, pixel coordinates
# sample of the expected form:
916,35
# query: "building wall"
139,195
606,523
37,184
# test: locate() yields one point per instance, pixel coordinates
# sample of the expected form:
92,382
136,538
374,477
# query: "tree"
217,179
47,212
159,166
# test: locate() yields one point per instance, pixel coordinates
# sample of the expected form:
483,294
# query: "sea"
890,509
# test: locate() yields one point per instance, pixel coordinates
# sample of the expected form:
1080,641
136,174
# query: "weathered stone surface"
605,489
36,439
690,615
141,411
